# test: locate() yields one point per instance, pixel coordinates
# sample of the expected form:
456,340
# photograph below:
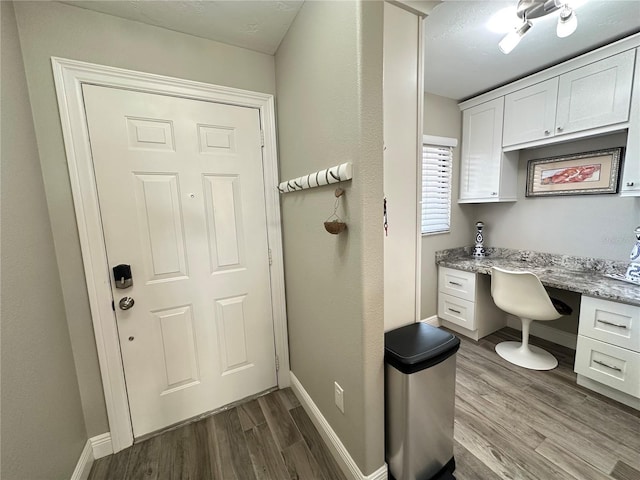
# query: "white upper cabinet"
630,185
595,95
486,174
530,113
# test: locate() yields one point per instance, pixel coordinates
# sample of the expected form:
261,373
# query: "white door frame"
69,76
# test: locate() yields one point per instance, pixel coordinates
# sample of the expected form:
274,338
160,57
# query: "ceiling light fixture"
567,22
527,10
513,38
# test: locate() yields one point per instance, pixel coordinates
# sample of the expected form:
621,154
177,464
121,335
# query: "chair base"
531,357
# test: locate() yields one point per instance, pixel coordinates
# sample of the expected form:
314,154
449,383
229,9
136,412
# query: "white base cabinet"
608,350
465,304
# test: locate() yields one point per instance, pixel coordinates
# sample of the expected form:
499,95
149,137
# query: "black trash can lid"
418,346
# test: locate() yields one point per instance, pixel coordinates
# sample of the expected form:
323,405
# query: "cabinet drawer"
616,367
457,283
610,322
456,310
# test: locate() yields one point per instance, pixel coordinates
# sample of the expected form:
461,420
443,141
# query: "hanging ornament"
386,219
334,223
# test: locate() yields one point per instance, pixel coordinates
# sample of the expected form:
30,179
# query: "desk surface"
582,275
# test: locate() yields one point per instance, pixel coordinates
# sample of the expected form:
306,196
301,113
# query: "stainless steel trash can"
420,376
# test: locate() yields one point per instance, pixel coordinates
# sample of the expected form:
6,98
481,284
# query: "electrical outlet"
339,396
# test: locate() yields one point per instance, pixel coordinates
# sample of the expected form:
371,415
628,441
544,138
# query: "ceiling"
256,25
462,58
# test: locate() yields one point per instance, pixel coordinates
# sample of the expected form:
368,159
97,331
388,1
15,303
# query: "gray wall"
329,91
43,431
583,225
52,29
442,118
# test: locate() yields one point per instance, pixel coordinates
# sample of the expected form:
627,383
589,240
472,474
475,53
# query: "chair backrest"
521,294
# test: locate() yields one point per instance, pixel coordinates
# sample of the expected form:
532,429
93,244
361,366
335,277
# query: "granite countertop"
578,274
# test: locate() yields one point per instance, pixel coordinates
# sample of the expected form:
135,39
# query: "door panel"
182,201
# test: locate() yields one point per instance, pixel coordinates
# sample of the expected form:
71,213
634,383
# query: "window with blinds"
437,162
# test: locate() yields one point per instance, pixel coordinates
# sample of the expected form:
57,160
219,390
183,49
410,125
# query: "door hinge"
262,138
277,363
270,258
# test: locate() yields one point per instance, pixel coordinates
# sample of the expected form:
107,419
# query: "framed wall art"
578,174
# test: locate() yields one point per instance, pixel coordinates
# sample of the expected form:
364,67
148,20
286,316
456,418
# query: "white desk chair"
522,294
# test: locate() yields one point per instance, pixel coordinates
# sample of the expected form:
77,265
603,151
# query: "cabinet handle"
454,311
560,129
455,283
547,132
494,193
617,369
612,324
630,184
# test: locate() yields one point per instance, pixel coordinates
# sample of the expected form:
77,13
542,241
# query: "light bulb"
567,22
511,39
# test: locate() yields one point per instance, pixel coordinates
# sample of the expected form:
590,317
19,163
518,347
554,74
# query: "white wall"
49,29
401,127
43,431
329,98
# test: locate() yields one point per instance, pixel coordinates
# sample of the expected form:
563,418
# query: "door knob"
126,303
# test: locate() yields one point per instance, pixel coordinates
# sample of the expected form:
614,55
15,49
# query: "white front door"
180,186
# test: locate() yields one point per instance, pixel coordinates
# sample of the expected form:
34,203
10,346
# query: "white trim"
607,391
101,445
540,330
69,75
441,141
420,127
334,444
83,467
433,320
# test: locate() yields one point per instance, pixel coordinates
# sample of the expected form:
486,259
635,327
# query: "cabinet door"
530,113
595,95
630,185
481,151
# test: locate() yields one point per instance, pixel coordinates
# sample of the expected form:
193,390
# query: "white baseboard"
83,467
607,391
433,320
333,442
101,445
540,330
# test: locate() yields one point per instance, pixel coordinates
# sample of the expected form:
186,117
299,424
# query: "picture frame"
585,173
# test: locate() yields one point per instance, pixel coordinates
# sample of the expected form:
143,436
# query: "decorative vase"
633,270
478,250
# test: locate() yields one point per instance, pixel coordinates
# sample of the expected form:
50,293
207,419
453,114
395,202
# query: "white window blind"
437,160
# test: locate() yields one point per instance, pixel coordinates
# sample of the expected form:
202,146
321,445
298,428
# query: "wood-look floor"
511,424
514,423
269,438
